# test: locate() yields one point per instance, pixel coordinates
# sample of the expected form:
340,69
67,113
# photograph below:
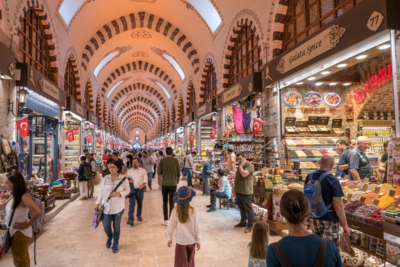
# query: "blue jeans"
116,219
149,178
214,195
189,176
206,186
137,196
183,172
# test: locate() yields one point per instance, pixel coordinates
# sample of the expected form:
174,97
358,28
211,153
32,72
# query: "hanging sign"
257,124
106,142
49,88
172,141
23,127
180,139
99,140
213,132
192,136
70,135
88,138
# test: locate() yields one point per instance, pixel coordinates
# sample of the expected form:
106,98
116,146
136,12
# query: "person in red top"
106,156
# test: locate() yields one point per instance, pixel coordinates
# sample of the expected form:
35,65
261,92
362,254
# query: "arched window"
306,16
245,58
210,88
105,113
70,81
98,105
87,95
33,46
192,99
180,108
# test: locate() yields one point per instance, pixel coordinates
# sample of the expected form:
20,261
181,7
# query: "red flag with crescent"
213,132
70,135
88,138
257,124
23,127
180,139
99,140
106,142
192,136
172,141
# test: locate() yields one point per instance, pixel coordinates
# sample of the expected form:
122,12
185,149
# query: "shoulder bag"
101,208
7,236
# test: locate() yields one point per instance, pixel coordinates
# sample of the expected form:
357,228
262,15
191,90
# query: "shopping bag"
95,222
345,245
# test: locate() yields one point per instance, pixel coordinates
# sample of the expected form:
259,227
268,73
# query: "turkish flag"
88,138
106,142
23,127
213,132
172,141
192,136
99,140
257,124
180,140
70,135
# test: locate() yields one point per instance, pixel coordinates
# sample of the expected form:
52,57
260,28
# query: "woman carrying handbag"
111,201
18,223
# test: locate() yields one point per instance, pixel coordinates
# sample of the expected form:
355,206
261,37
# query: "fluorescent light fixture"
332,84
299,83
346,84
104,62
208,12
318,84
385,46
163,88
361,56
68,9
342,65
312,78
115,86
175,65
325,72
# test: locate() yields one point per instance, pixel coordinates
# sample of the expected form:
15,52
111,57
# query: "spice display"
385,201
351,208
347,191
309,153
314,142
348,183
385,188
357,195
376,218
371,187
333,153
296,186
363,212
279,189
316,153
397,192
290,143
370,197
300,154
277,179
307,143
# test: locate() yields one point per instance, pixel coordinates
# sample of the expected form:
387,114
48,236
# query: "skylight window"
120,103
175,65
68,9
122,112
165,90
115,86
104,62
208,12
157,102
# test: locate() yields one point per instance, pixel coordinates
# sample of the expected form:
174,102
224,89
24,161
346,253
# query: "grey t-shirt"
148,168
359,161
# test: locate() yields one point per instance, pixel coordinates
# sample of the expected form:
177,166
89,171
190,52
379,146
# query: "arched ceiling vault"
138,121
141,99
140,114
137,107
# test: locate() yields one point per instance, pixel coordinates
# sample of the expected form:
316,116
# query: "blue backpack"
313,192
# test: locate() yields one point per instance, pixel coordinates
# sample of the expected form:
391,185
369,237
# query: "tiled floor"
69,240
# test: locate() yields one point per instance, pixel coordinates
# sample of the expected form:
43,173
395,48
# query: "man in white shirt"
188,168
153,154
137,181
92,163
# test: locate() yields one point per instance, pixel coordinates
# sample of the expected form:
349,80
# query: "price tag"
391,193
356,189
377,189
362,199
379,181
349,197
365,187
354,186
376,202
366,180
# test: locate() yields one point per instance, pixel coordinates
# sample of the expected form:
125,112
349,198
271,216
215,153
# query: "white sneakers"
165,223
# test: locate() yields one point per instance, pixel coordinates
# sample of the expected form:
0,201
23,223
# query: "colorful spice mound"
351,208
347,191
371,187
370,197
385,201
357,195
279,190
363,212
349,183
385,188
397,192
376,218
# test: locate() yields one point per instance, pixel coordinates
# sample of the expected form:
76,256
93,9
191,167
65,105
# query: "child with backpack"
258,245
185,220
84,174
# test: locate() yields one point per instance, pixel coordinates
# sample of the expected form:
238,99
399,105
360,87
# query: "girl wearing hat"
186,222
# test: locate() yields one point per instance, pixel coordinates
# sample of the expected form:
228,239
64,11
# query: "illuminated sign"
375,80
359,95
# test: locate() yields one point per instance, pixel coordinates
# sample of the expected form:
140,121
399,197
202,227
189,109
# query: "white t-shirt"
188,157
186,233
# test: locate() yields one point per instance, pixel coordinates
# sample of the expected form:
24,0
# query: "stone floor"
69,239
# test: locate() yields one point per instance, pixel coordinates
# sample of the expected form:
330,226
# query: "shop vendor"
358,161
224,190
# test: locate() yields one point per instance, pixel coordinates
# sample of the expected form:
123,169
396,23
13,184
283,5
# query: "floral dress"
257,262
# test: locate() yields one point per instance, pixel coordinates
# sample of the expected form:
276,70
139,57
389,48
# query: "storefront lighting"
258,99
68,116
385,46
318,84
332,84
312,78
22,93
325,72
346,84
342,65
361,56
299,83
2,76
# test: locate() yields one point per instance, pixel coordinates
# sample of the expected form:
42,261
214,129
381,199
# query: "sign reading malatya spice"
321,43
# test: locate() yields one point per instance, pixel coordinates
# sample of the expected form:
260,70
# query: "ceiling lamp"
299,83
361,56
312,78
318,84
385,46
332,84
342,65
325,72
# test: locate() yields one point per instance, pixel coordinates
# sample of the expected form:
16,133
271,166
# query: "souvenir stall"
340,90
171,141
207,117
99,144
190,132
90,128
107,137
179,137
39,146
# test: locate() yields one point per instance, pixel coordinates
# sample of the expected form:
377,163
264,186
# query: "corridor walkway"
69,240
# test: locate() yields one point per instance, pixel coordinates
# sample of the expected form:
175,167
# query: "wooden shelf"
277,226
365,228
368,251
391,228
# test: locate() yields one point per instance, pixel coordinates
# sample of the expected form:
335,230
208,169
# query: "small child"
258,245
82,179
186,222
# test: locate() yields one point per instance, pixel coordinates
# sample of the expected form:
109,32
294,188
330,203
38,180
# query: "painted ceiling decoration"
135,21
117,52
140,54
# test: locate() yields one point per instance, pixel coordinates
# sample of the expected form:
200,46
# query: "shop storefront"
207,121
179,137
171,138
75,116
90,129
100,146
190,133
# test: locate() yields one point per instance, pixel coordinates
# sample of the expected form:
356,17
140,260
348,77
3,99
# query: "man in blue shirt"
332,193
205,174
342,147
224,190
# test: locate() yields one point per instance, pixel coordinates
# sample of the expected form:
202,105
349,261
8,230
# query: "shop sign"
177,124
49,88
202,110
359,95
187,119
93,118
321,43
375,21
235,91
11,69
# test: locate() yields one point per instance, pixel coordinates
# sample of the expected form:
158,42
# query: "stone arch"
138,119
244,17
141,99
135,21
190,94
180,108
71,57
89,92
98,107
173,114
138,66
138,107
207,65
136,115
139,112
